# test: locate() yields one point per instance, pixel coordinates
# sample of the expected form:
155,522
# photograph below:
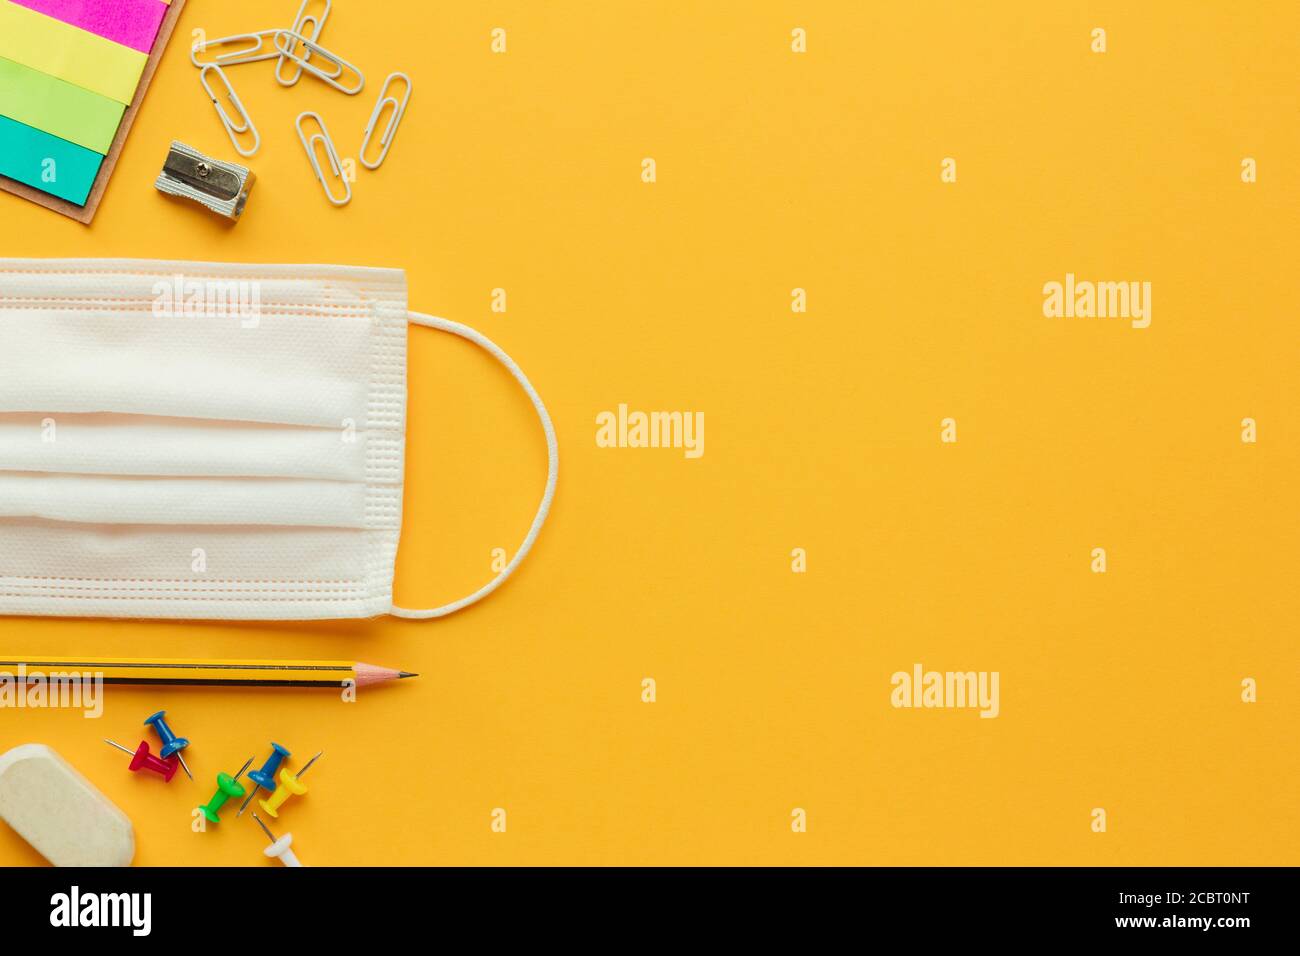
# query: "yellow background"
775,170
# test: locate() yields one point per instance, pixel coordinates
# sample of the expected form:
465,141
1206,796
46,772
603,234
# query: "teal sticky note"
47,163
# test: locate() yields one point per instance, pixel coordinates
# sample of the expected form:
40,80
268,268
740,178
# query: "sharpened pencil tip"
401,674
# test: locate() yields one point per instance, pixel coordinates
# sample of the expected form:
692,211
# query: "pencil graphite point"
367,674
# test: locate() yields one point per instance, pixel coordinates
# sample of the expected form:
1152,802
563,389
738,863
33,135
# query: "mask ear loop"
552,468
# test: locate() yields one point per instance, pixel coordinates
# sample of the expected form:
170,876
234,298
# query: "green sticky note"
53,165
57,107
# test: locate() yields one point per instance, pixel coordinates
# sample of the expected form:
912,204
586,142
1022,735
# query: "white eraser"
60,812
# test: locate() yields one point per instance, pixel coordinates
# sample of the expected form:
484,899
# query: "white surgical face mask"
207,440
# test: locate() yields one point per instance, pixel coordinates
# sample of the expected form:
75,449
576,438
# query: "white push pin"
279,849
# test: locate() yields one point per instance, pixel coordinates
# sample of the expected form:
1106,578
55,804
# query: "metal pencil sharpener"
220,186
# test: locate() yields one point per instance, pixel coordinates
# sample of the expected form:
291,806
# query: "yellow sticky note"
71,54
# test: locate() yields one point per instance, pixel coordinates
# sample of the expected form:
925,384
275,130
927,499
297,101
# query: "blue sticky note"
47,163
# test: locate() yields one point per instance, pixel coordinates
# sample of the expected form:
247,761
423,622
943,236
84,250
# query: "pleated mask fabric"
207,440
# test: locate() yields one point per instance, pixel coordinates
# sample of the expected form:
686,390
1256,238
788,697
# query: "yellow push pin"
289,787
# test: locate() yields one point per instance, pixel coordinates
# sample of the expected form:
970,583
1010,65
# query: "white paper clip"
262,48
309,144
287,40
399,107
310,26
243,123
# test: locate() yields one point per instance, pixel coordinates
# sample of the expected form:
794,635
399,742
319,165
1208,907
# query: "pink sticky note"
132,23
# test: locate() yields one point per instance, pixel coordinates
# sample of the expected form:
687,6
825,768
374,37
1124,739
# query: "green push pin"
227,787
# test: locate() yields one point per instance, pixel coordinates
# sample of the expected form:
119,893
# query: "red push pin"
143,759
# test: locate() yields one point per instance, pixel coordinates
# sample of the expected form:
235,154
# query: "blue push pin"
171,744
265,778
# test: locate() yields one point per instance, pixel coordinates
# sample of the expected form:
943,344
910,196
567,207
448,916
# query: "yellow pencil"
201,672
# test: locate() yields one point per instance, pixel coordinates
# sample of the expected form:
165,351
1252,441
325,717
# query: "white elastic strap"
552,468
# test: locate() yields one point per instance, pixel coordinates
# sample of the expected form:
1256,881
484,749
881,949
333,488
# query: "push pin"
171,744
289,787
279,849
264,778
227,787
142,759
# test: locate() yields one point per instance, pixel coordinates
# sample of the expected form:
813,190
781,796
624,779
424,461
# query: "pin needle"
114,743
269,835
184,766
303,772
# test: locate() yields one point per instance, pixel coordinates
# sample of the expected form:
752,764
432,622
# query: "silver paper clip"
262,42
243,123
286,42
399,107
310,26
309,144
220,186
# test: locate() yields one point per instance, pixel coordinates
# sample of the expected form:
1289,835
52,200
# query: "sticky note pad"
58,167
132,23
59,49
61,109
73,76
